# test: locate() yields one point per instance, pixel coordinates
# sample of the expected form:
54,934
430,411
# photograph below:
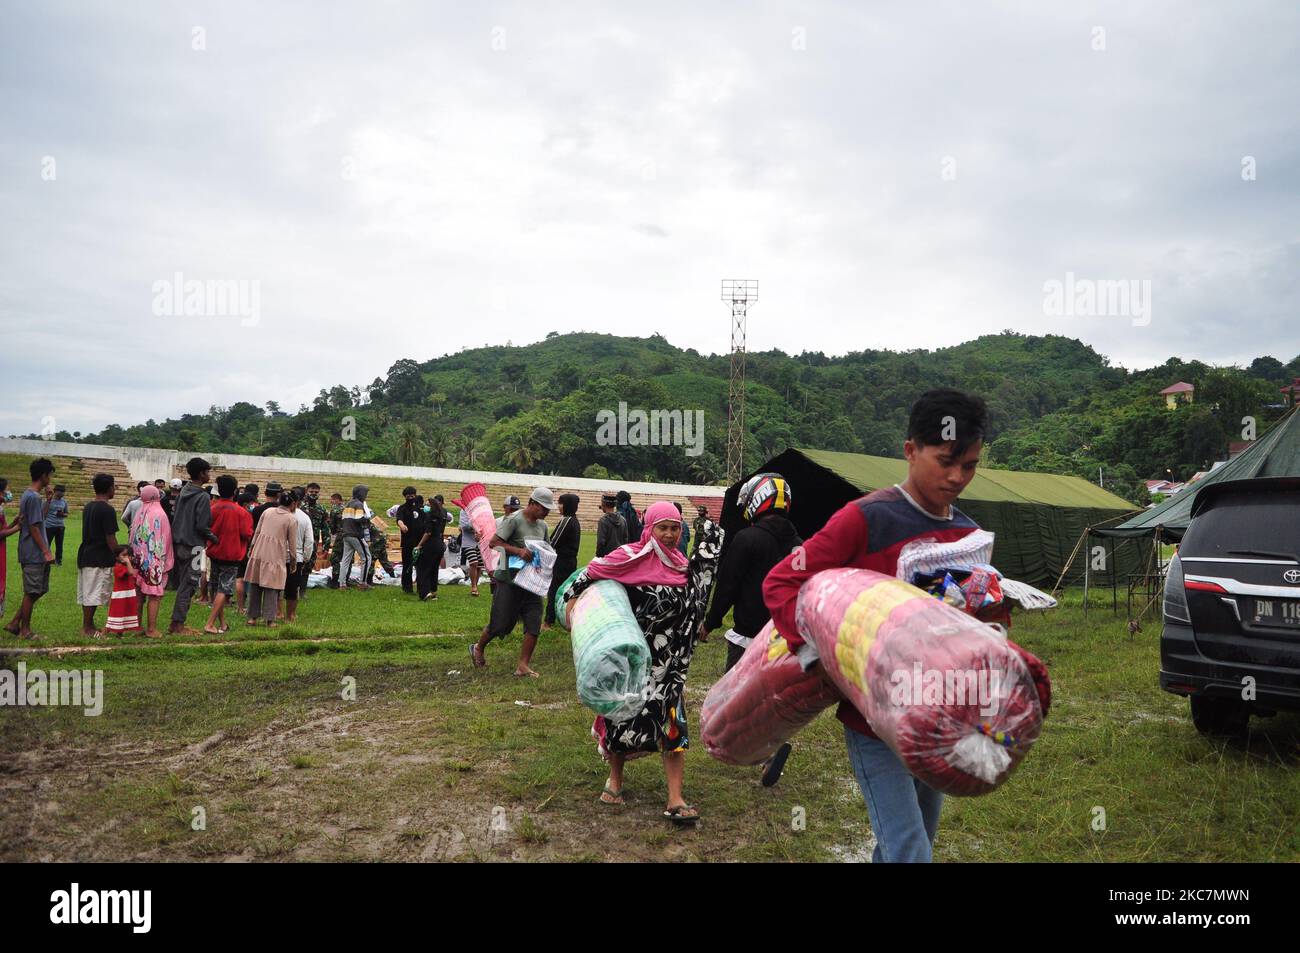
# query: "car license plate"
1283,613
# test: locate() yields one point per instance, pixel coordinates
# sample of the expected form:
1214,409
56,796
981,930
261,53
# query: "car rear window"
1262,522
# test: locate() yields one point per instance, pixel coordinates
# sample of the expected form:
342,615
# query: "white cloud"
400,188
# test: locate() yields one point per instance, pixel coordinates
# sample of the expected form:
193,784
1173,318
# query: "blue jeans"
904,811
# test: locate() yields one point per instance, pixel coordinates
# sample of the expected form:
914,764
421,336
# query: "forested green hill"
1056,404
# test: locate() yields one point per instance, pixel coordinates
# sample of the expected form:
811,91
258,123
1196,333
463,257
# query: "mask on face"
9,497
428,509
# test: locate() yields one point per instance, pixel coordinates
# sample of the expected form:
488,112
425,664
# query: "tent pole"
1114,580
1087,568
1069,562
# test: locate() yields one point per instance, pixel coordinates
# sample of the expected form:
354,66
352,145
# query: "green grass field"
435,760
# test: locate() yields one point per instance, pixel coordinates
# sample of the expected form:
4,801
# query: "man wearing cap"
171,496
168,502
511,603
611,531
191,532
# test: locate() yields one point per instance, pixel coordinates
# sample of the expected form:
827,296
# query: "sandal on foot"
684,816
611,797
477,657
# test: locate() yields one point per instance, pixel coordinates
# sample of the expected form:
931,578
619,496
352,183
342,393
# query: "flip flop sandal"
775,765
477,658
613,794
681,819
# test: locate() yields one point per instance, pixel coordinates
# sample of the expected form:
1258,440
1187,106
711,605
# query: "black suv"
1231,638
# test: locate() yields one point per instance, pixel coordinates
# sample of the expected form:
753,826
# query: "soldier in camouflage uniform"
334,523
319,516
699,523
378,552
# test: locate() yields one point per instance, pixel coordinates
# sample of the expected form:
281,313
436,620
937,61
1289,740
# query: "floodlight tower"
739,293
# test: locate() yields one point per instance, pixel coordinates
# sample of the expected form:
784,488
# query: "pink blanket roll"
474,500
762,702
951,696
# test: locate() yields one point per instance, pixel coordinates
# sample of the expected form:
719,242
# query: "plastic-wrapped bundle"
473,499
949,695
762,702
536,575
610,653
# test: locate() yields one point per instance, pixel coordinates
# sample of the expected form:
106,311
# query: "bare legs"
674,769
155,603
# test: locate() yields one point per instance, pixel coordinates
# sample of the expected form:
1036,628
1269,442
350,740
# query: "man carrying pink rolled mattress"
945,434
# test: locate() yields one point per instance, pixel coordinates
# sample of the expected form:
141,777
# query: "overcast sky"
407,179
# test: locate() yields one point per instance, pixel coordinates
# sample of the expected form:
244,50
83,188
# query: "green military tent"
1037,518
1276,453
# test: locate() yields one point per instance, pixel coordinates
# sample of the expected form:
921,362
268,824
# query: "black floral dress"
670,617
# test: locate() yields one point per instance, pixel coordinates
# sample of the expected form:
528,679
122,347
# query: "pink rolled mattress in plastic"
951,696
762,702
473,499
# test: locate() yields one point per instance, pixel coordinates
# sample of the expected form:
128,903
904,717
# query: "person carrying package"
764,500
668,594
945,434
510,603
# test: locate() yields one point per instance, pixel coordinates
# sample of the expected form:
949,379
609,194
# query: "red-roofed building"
1292,390
1174,394
1167,487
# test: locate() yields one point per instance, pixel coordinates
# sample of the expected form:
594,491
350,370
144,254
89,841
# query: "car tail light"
1175,597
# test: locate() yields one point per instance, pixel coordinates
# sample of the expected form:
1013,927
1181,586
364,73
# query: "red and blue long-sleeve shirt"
867,533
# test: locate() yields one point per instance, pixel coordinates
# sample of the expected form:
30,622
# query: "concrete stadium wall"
148,464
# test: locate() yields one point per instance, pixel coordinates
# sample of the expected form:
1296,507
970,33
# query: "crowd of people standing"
222,545
210,542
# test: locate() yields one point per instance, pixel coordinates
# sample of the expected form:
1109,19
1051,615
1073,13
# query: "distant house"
1174,394
1165,487
1237,446
1292,392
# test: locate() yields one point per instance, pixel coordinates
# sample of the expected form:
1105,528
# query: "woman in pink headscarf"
151,544
669,594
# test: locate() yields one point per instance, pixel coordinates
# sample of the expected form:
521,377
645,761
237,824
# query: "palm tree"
521,456
440,447
324,445
464,450
409,444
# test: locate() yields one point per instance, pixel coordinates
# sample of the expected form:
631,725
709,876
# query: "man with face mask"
409,522
433,519
320,520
